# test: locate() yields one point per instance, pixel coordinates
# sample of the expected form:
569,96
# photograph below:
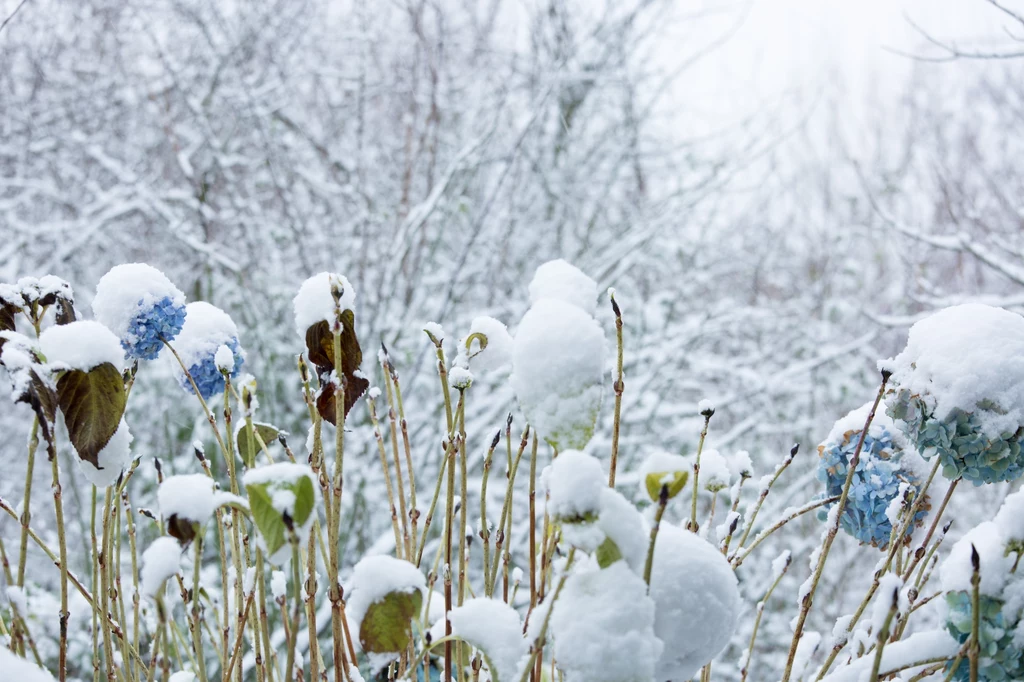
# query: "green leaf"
267,519
267,432
387,625
676,481
607,553
305,496
93,403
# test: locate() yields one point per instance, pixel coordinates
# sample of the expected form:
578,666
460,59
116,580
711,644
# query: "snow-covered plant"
208,348
959,392
141,306
887,478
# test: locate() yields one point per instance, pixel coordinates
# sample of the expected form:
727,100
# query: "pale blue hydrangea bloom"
876,483
959,440
1000,658
151,325
208,378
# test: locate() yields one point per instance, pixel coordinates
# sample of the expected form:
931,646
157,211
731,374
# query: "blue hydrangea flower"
876,483
1000,658
160,320
208,378
959,440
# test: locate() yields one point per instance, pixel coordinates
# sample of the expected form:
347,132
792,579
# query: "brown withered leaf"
93,403
320,348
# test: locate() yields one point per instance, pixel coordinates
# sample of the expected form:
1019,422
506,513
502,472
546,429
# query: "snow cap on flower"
958,389
574,482
565,282
141,306
207,328
315,300
885,471
558,372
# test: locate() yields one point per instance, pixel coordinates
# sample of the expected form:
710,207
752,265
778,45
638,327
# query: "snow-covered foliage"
207,329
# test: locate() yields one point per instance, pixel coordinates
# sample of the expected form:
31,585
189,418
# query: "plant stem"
974,653
619,386
692,524
62,545
744,669
649,563
883,636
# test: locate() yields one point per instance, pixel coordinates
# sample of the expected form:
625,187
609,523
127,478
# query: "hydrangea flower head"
962,441
958,388
141,306
207,329
884,472
1001,656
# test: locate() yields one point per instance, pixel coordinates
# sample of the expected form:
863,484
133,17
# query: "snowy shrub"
959,392
506,560
888,477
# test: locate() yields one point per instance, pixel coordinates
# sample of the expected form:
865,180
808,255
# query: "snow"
705,406
112,459
920,646
517,575
495,628
160,561
460,378
805,649
781,563
278,479
374,578
620,521
18,599
697,599
956,570
558,371
80,345
128,289
963,355
278,584
17,668
1010,517
668,465
574,482
183,677
714,470
559,280
498,353
890,587
206,329
187,496
603,627
741,464
435,330
315,303
224,359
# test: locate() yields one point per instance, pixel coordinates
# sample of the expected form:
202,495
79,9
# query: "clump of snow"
80,345
160,561
495,355
559,280
278,585
697,602
890,588
705,407
279,480
435,330
574,482
183,677
112,459
18,599
1010,517
460,378
315,303
17,668
603,627
963,355
740,464
620,521
714,470
188,496
994,565
558,371
141,306
493,627
224,359
805,649
669,468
